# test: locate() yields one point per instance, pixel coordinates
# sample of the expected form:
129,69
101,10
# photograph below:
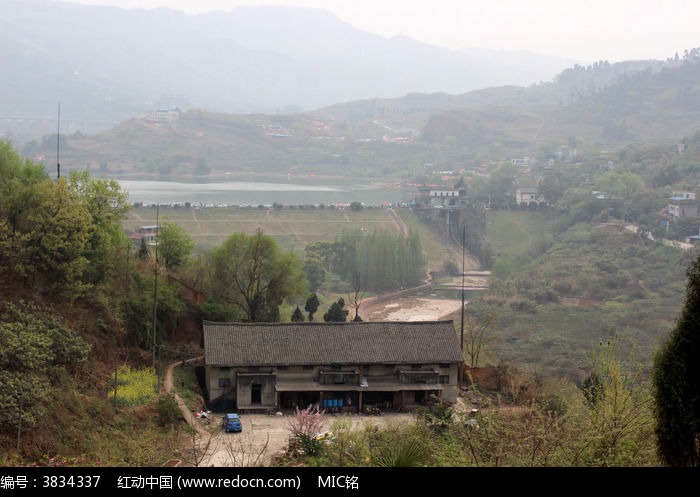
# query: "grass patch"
437,248
517,234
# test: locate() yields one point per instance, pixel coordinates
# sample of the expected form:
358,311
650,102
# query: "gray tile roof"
271,344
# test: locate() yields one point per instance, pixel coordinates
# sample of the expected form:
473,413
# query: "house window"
224,382
308,367
444,379
389,366
444,366
282,368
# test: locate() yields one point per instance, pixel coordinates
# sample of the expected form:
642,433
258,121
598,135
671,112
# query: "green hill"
558,295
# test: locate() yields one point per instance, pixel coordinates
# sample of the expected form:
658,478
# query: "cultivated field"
293,228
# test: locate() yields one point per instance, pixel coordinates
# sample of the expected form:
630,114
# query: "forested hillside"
556,300
67,277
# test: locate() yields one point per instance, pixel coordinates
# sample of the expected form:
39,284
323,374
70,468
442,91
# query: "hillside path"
399,222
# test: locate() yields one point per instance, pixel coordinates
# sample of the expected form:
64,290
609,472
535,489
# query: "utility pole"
155,298
461,343
116,381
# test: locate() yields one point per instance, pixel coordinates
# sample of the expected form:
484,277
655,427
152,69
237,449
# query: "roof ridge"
323,323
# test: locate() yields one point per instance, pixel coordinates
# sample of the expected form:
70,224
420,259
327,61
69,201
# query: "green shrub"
168,410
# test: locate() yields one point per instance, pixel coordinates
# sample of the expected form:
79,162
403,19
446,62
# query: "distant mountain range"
609,111
105,65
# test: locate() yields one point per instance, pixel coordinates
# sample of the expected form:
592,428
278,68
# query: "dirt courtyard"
265,436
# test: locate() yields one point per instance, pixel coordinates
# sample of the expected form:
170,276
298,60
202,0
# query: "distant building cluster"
147,234
682,205
442,196
528,196
163,116
169,108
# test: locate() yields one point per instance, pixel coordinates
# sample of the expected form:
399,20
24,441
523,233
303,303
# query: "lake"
259,193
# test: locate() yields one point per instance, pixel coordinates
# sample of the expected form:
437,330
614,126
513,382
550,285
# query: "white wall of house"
256,388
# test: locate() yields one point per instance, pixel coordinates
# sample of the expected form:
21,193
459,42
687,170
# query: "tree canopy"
33,345
311,305
251,274
676,378
387,261
337,312
62,235
174,245
297,315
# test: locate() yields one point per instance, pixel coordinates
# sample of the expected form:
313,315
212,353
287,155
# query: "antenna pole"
58,142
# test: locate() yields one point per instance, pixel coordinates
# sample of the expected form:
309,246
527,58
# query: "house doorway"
255,394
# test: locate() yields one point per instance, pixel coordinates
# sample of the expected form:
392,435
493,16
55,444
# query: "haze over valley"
106,65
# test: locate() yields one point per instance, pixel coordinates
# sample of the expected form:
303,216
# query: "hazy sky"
586,30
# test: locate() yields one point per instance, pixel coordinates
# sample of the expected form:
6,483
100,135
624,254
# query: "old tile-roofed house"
341,366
